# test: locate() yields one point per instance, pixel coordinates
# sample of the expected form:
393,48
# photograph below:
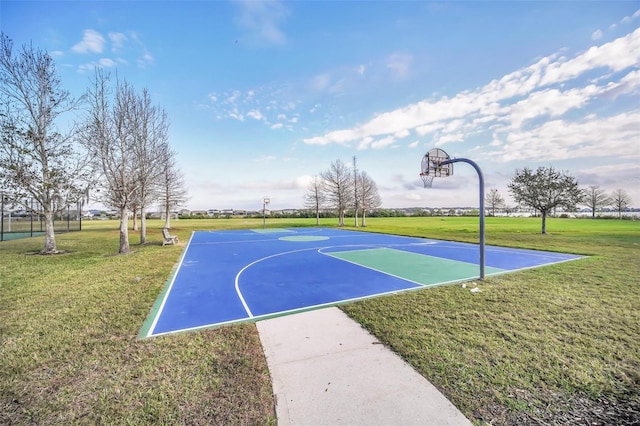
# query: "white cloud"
117,41
145,59
277,126
402,133
400,64
492,106
235,114
615,56
597,35
256,115
261,20
107,63
321,82
364,143
303,182
591,137
551,102
384,142
92,42
233,97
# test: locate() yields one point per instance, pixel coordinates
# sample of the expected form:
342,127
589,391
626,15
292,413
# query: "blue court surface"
231,276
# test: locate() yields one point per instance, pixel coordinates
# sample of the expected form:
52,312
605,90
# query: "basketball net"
427,179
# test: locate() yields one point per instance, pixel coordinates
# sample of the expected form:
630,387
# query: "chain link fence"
23,223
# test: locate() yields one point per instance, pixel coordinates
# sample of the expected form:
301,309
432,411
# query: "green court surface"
418,268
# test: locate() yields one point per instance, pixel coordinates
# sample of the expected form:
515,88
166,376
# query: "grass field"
555,345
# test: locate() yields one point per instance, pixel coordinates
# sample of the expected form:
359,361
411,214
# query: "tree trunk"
544,221
317,216
135,220
364,218
124,233
50,238
143,226
167,216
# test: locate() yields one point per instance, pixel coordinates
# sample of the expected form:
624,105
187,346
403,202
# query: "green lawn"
556,345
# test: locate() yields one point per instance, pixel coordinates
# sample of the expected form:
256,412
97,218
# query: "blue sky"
264,95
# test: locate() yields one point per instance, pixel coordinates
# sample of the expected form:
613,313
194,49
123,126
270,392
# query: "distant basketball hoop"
265,203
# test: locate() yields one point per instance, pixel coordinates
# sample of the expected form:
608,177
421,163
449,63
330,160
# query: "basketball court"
225,277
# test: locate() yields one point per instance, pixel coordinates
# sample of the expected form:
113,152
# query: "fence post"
31,219
2,217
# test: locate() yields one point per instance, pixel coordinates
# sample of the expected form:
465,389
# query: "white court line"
237,280
166,294
309,308
319,250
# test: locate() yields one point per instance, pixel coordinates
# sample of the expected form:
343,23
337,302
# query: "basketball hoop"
427,179
432,166
437,163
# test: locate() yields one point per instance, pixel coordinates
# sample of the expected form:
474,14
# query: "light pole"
265,202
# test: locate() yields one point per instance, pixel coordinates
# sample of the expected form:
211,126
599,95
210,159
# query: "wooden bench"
168,239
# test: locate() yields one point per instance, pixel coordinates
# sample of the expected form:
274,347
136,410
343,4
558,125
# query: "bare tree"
620,201
150,134
314,196
172,190
595,198
37,160
544,190
494,200
369,195
109,137
338,188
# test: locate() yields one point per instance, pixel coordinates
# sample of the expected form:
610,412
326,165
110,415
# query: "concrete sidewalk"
327,370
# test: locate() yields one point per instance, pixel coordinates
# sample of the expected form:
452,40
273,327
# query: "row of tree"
118,150
547,189
126,137
341,188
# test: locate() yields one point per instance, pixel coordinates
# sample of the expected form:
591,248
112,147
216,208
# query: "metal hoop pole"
265,201
481,185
